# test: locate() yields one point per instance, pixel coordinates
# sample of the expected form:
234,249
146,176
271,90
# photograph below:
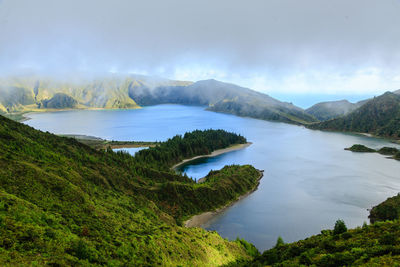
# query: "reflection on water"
310,181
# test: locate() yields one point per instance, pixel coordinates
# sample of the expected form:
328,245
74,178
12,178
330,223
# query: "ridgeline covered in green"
64,203
379,116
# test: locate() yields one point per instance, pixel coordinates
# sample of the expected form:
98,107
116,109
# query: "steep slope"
332,109
379,116
222,97
60,101
63,203
33,92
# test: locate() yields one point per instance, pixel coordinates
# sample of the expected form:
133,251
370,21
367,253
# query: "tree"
279,242
340,227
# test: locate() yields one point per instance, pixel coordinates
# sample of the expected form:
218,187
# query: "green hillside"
379,116
332,109
64,203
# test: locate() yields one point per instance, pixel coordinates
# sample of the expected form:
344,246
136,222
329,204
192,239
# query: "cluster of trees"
387,210
369,245
195,143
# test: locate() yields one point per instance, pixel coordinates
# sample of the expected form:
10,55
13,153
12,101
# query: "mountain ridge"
332,109
379,116
18,94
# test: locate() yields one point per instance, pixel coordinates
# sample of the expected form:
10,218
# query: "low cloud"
277,45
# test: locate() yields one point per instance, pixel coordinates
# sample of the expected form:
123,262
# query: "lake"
309,182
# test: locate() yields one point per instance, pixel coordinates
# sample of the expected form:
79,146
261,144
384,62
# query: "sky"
279,47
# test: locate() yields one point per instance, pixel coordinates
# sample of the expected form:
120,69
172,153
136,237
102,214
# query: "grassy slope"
62,202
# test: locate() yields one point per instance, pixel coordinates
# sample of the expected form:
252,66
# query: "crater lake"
309,182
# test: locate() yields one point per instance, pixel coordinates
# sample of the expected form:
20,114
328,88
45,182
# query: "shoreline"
25,114
200,219
214,153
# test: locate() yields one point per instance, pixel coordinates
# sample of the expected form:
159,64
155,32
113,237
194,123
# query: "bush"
340,227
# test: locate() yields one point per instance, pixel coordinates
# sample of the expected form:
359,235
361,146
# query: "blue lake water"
130,150
310,181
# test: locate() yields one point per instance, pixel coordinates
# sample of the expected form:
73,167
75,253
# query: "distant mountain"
32,93
223,97
379,116
332,109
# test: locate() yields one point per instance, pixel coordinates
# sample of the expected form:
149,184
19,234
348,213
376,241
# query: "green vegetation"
333,109
196,143
388,151
340,227
64,203
380,116
371,245
387,210
182,200
360,148
377,244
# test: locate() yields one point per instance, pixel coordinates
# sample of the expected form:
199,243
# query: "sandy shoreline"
200,219
214,153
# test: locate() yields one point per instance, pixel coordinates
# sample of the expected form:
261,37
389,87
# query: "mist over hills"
225,98
378,116
32,93
333,109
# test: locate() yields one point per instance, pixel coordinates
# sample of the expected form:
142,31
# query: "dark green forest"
195,143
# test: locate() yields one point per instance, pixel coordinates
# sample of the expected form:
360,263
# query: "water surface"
310,181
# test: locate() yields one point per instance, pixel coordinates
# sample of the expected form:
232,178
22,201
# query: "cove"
309,182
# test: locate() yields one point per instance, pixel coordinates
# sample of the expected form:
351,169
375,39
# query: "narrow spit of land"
99,143
214,153
200,219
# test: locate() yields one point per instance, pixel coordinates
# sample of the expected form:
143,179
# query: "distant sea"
307,100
